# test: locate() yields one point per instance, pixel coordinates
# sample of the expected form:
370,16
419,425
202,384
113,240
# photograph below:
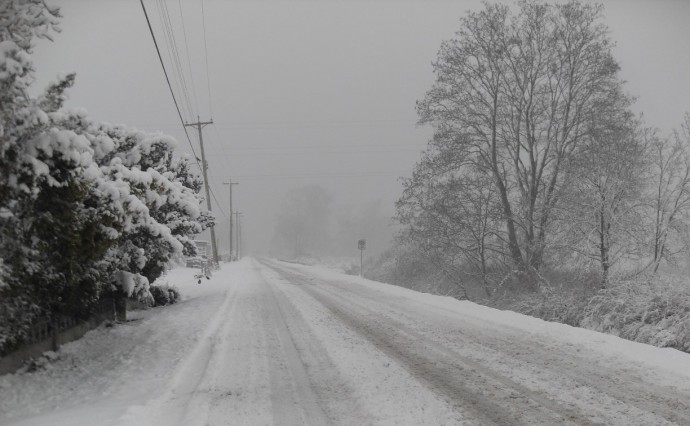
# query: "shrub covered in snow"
85,208
405,266
652,309
554,295
164,294
557,305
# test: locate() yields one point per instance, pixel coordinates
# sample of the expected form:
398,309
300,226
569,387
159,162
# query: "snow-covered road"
267,342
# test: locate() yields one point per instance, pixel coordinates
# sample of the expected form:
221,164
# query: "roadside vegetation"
541,191
87,210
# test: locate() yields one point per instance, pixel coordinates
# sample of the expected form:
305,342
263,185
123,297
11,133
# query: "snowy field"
267,342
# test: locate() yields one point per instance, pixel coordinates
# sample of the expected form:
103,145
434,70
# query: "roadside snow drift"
268,342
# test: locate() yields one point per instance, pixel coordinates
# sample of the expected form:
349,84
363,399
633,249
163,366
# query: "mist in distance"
314,94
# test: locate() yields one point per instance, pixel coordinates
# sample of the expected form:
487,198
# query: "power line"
167,79
319,175
261,125
168,45
324,150
178,61
220,143
321,124
177,107
354,147
175,54
220,207
208,79
189,62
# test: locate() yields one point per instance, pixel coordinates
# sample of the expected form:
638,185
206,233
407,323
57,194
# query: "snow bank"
649,309
611,347
96,379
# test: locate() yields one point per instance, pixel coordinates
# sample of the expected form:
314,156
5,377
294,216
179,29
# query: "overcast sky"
313,92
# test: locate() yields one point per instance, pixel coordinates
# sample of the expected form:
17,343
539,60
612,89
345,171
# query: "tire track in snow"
664,403
271,368
361,386
460,379
172,407
292,394
491,397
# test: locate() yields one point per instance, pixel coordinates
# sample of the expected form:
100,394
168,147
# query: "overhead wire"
220,207
175,58
178,61
321,176
320,123
177,105
167,79
174,54
168,46
189,62
219,142
298,125
208,78
222,148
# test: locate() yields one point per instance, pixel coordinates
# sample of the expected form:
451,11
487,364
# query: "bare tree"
450,211
671,193
602,216
514,94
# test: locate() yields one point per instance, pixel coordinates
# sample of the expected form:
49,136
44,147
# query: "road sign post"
361,245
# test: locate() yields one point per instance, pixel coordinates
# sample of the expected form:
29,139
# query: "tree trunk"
604,248
513,246
485,283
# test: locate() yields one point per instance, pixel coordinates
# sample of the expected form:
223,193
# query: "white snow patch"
604,347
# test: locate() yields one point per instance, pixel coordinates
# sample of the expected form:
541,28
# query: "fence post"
54,330
120,307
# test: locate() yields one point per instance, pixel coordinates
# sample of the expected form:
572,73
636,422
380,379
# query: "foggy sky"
314,92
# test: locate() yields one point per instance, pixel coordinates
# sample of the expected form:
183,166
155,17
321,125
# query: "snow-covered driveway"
267,342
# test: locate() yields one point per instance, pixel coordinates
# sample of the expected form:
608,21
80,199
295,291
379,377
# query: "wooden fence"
46,335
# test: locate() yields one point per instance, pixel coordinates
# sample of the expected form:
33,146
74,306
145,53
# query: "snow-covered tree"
670,195
602,213
28,149
514,91
169,212
85,208
452,214
153,201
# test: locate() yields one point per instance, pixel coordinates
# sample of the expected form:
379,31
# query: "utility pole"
361,245
238,236
204,167
230,184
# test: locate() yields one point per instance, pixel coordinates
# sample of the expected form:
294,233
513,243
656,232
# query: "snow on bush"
549,304
86,208
653,309
164,294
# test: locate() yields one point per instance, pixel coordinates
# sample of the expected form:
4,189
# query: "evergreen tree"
85,208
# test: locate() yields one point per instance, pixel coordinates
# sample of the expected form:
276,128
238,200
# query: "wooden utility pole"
230,184
204,167
238,236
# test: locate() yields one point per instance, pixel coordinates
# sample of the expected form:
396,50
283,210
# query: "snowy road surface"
267,342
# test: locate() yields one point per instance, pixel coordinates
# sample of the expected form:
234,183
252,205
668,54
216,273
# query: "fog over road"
269,342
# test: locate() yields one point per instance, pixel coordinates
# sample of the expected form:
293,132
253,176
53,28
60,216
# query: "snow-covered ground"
266,342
